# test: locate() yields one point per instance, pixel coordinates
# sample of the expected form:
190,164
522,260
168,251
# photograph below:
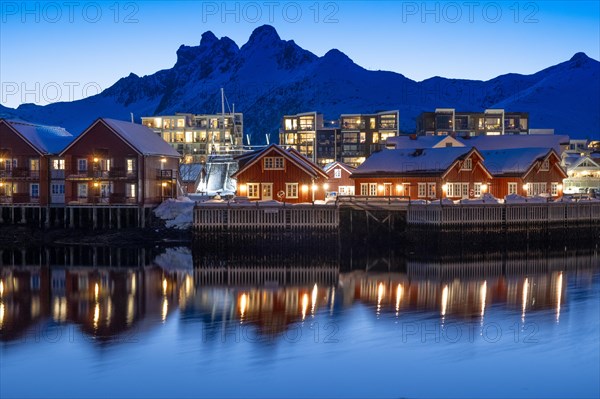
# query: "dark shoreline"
18,236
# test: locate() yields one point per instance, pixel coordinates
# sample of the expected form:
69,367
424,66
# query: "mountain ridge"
268,77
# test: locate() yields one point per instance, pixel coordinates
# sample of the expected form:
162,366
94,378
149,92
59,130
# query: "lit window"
364,189
291,190
273,162
422,190
431,190
253,190
554,189
372,189
130,165
337,173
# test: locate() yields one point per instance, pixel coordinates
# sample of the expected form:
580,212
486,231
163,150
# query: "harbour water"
307,321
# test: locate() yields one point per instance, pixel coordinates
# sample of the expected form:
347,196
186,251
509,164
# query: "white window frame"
57,188
273,163
477,190
545,166
467,164
512,188
291,190
31,191
554,189
364,189
253,190
422,190
372,189
84,162
337,173
85,192
431,190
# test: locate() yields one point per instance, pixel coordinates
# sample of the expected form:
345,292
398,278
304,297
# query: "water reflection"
114,293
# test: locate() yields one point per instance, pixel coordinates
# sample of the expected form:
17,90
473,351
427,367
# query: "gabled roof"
45,140
486,143
342,165
515,161
409,142
428,161
247,160
140,138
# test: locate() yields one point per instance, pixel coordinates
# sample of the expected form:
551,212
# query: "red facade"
102,167
460,180
23,169
277,174
338,179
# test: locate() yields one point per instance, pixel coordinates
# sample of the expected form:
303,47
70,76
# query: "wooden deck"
227,216
503,214
266,215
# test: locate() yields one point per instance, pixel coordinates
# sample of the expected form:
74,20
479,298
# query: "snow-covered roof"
45,139
514,161
484,143
190,171
411,161
406,142
342,165
293,155
143,139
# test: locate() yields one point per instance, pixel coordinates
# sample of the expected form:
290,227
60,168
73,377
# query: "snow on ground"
177,213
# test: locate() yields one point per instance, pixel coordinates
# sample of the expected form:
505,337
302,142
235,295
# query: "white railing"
258,216
509,214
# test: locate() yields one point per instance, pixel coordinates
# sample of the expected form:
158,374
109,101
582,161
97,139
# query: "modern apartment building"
491,122
350,140
196,137
364,134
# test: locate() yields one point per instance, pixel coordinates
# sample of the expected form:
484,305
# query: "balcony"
19,199
166,174
22,173
113,199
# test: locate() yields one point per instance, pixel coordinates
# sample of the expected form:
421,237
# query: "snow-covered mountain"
269,77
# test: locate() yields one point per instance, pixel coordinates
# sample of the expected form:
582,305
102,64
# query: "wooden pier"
398,214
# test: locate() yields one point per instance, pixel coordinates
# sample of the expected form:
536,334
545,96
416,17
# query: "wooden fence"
503,214
265,216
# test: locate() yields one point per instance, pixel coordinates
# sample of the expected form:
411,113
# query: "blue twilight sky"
65,50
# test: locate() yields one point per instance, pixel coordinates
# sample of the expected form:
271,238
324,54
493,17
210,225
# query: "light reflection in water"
380,293
314,299
243,304
165,309
444,300
559,284
482,296
525,294
96,315
1,314
399,292
304,305
1,288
